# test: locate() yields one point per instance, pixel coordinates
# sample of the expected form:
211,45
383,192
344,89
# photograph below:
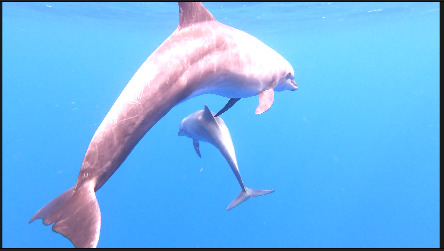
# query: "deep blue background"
353,154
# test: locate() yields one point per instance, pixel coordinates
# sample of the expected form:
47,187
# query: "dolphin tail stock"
244,195
76,215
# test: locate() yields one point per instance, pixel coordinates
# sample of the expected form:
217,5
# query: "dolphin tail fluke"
75,214
244,195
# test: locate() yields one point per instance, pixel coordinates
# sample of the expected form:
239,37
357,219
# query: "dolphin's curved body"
201,56
204,126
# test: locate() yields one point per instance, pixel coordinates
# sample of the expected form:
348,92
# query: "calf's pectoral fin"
265,101
196,147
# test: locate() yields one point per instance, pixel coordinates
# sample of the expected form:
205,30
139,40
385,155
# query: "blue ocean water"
353,154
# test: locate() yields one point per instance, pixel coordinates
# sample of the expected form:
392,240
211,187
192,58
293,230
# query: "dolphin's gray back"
203,126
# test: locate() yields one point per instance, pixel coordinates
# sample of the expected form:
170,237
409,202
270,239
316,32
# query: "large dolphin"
204,126
201,56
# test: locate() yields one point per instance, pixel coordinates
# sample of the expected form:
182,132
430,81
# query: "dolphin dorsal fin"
192,13
208,116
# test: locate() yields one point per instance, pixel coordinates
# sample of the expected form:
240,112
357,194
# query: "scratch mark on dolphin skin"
123,120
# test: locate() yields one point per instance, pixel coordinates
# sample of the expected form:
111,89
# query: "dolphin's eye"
289,75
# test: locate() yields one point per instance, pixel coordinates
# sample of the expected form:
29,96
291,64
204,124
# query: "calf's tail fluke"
75,214
244,195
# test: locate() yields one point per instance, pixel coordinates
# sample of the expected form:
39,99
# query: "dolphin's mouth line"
294,84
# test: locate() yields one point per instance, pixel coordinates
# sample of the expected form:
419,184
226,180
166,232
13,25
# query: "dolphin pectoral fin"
75,214
265,101
229,104
196,147
243,196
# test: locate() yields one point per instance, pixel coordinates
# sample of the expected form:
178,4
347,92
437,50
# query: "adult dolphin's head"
286,81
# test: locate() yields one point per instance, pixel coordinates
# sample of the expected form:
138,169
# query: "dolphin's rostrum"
204,126
201,56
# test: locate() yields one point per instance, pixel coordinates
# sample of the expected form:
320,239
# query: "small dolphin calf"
203,126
